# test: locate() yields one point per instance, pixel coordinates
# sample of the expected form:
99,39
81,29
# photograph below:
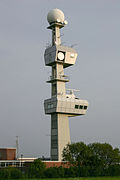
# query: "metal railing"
59,77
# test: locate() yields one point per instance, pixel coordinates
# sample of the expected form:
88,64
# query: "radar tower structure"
61,105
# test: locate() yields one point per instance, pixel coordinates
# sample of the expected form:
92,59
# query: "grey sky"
94,25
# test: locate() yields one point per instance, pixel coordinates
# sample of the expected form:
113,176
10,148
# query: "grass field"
85,178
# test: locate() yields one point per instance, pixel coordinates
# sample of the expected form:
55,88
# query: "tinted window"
76,106
85,107
81,107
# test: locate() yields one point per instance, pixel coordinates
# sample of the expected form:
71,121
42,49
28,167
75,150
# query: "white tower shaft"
60,135
56,36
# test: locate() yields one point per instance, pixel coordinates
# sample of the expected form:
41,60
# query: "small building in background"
8,153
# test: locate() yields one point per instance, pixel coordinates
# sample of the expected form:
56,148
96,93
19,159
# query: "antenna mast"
17,148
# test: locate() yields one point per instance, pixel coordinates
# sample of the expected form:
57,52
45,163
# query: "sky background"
94,28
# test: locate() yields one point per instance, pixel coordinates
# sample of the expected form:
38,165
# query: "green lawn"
85,178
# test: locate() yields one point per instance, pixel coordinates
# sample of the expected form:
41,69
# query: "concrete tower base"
60,135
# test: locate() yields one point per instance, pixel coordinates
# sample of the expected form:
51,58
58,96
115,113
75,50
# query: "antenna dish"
55,15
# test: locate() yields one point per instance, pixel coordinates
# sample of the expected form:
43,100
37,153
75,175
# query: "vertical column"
54,137
58,87
63,134
60,135
56,36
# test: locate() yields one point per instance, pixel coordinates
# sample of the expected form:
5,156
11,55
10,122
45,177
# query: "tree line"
83,160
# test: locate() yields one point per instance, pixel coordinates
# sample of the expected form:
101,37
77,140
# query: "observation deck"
69,104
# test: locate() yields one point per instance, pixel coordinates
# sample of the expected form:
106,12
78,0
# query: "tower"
61,105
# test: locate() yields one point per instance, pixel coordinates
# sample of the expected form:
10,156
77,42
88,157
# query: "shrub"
71,172
4,174
15,173
54,172
83,171
36,169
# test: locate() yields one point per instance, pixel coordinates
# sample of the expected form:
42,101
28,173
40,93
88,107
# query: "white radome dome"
55,15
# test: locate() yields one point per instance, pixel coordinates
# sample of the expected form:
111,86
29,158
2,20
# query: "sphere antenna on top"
56,16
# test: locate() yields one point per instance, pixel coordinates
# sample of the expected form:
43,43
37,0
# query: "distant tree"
77,154
93,155
105,154
36,169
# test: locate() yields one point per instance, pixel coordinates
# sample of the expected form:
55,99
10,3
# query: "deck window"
81,107
50,105
85,107
76,106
